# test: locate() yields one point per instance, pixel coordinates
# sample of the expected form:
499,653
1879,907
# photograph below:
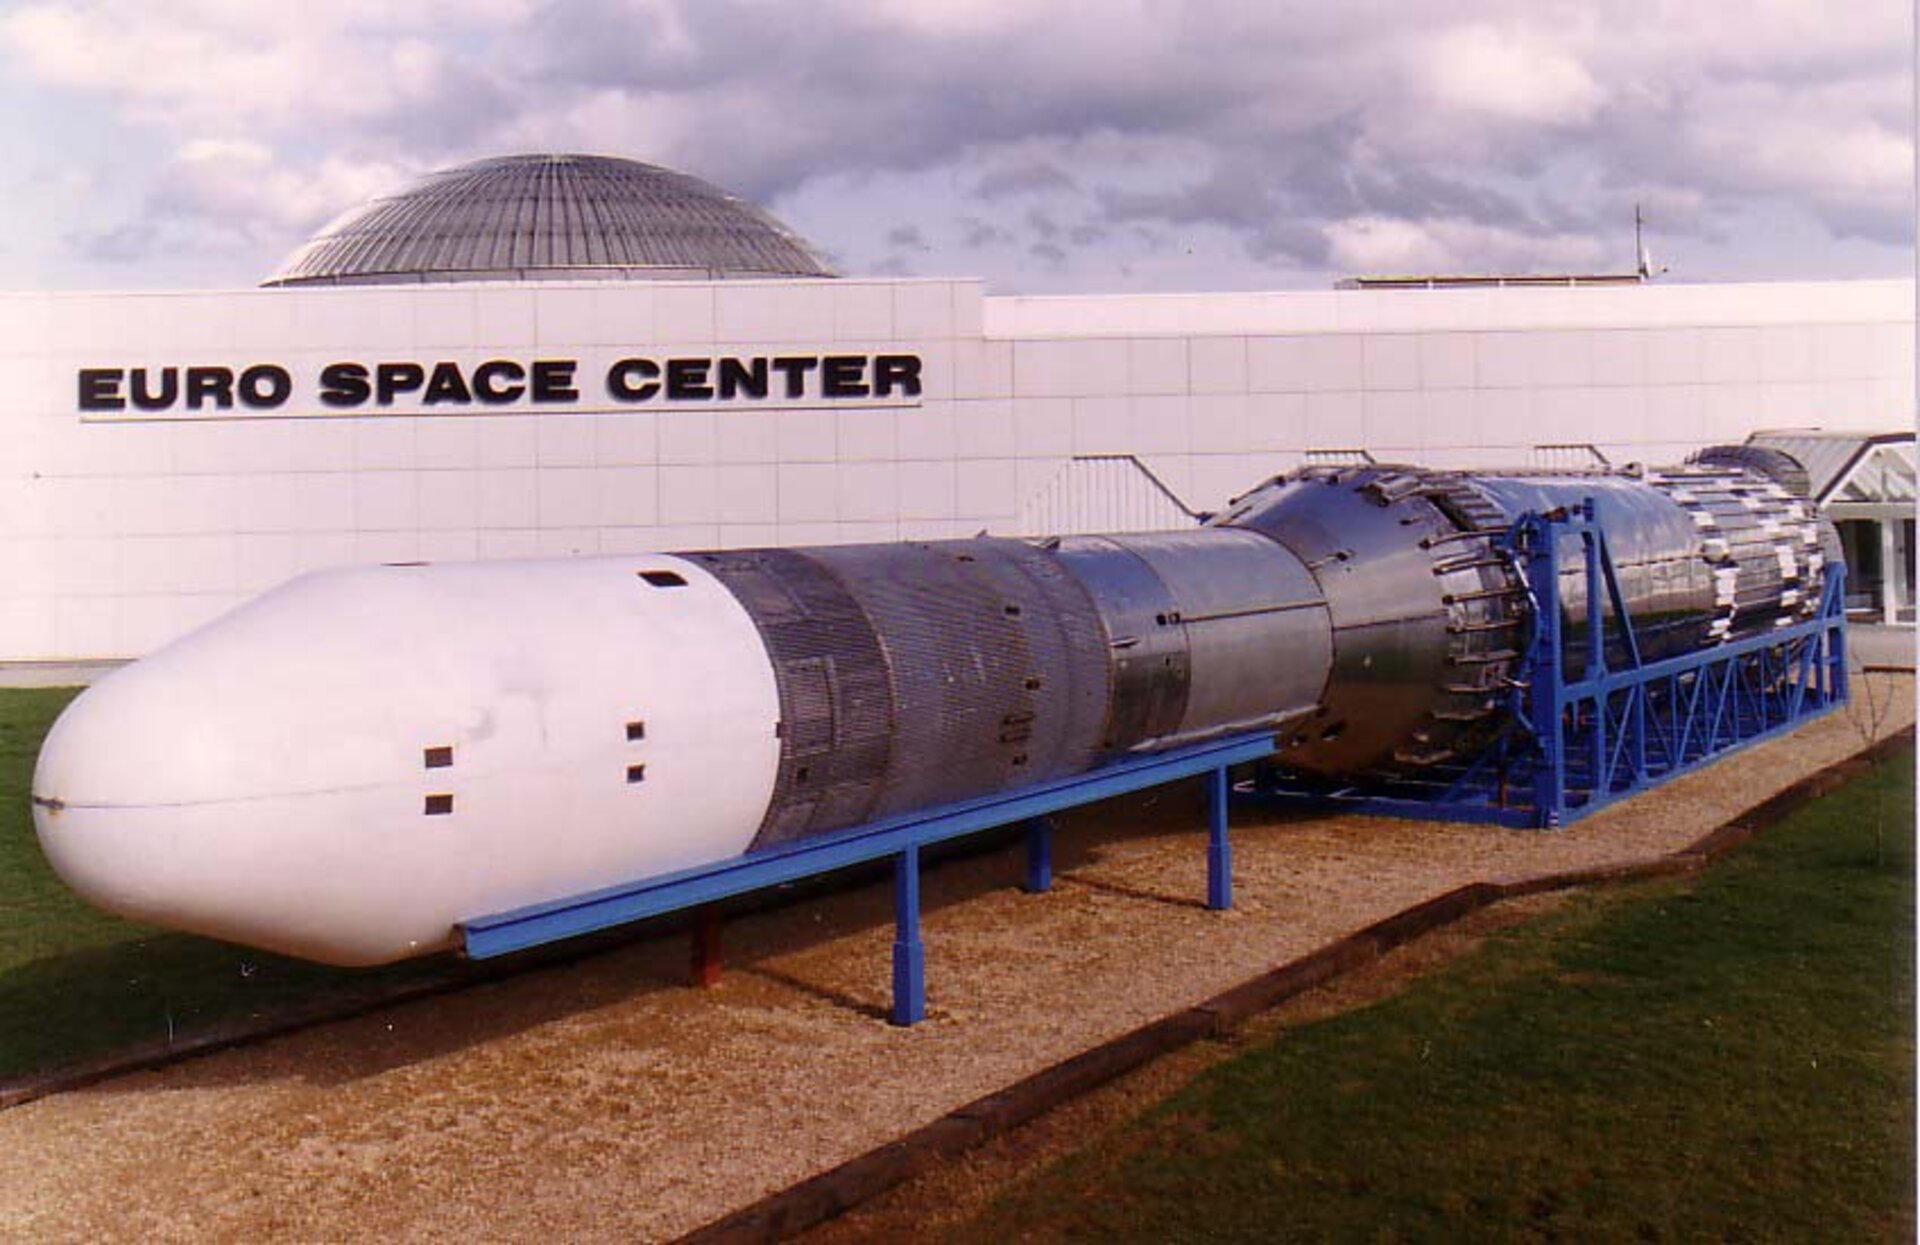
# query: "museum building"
558,355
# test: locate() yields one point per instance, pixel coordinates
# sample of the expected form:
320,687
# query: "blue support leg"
1219,847
1039,856
909,957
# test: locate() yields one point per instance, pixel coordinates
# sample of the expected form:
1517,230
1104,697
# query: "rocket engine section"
290,778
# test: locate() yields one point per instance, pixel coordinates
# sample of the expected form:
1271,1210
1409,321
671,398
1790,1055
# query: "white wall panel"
567,542
868,492
443,441
509,441
1102,426
1392,421
927,490
448,500
568,440
1218,364
450,546
982,369
508,499
1390,361
1218,422
1159,425
1277,421
984,429
866,436
505,317
385,501
628,314
1446,360
1058,369
1334,421
1043,427
926,432
809,437
630,496
443,319
1675,356
682,313
923,310
749,493
386,546
629,438
862,312
381,444
1156,365
1730,356
762,311
985,488
689,494
1506,423
520,542
809,492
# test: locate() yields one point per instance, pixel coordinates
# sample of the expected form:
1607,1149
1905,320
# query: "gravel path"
604,1100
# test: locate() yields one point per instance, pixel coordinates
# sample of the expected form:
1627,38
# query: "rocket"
347,767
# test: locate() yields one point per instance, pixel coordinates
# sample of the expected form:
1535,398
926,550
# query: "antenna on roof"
1643,257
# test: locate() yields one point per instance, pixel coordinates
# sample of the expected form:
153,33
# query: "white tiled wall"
113,538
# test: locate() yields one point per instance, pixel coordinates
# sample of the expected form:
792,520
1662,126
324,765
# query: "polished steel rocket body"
599,721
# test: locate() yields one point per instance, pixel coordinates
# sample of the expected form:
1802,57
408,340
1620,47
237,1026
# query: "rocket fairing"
351,765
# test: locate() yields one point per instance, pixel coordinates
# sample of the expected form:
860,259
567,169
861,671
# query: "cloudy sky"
1060,146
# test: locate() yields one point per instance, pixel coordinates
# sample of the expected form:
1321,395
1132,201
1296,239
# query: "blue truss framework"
1573,745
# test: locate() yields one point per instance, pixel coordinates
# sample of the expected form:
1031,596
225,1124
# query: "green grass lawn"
1730,1057
76,983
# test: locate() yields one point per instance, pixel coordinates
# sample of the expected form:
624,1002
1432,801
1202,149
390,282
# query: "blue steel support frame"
909,954
898,838
1627,724
1219,847
1574,746
1039,856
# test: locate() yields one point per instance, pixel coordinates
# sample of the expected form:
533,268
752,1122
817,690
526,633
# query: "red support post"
706,945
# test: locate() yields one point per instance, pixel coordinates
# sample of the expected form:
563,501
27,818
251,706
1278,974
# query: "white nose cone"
349,766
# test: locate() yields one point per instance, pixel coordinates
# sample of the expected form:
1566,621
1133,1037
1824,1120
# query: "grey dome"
551,217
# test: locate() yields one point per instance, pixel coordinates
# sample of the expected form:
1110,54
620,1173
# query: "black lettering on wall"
210,384
100,389
795,369
743,376
902,370
633,380
553,380
392,380
154,399
447,385
265,386
843,376
687,378
344,384
487,380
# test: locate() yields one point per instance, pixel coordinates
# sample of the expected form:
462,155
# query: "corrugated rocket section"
348,767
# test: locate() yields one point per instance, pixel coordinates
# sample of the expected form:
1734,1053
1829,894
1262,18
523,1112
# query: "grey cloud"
1273,123
1030,177
907,236
1043,224
980,233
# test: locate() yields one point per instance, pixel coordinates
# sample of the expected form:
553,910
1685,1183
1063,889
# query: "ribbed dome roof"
551,217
